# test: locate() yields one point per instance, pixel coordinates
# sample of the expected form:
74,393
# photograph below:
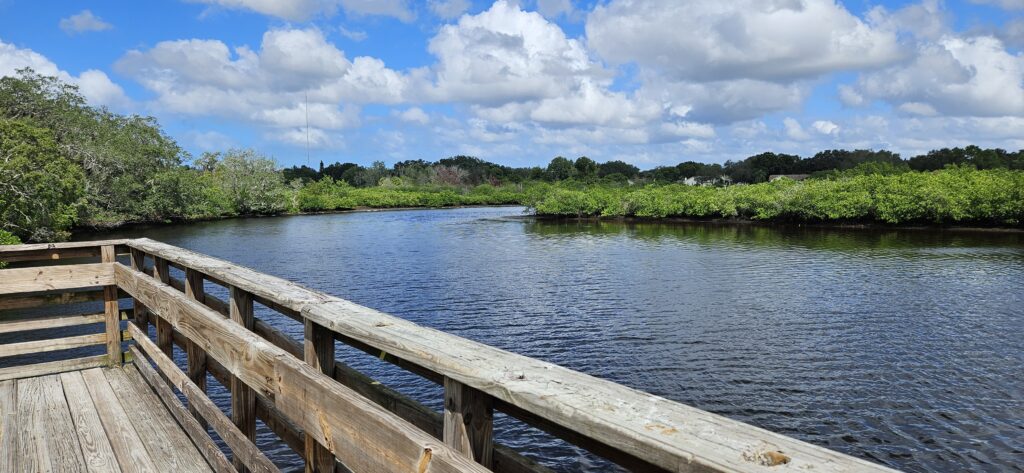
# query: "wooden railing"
337,417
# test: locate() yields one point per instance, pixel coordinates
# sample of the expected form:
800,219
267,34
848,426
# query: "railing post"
319,353
112,316
243,399
164,330
141,314
469,421
195,355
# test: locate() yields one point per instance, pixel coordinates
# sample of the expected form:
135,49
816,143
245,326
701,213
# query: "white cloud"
94,85
1004,4
825,127
354,35
82,22
393,8
955,76
414,115
794,130
709,40
449,9
302,10
270,86
293,10
210,140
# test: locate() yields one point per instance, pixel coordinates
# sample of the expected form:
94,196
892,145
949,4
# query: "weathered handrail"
368,427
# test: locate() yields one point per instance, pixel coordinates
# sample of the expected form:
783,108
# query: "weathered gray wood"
194,354
61,437
241,446
164,331
319,353
469,422
50,322
52,367
53,344
33,453
361,434
110,309
9,426
131,453
138,262
243,400
670,435
54,251
52,278
15,302
196,432
96,449
166,443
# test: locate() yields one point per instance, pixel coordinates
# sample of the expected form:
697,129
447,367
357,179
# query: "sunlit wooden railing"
332,414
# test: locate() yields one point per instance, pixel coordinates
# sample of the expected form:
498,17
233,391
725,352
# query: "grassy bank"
953,196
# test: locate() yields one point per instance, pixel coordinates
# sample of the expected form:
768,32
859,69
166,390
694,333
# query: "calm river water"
902,347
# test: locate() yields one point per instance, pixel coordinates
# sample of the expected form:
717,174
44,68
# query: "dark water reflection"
903,347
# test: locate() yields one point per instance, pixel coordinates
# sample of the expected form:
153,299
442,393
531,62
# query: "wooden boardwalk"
68,414
96,420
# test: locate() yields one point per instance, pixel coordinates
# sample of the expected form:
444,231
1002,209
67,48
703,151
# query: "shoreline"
78,234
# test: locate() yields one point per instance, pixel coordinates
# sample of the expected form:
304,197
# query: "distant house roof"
795,177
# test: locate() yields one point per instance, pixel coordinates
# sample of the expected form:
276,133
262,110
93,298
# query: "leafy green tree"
586,167
252,183
618,167
41,192
560,169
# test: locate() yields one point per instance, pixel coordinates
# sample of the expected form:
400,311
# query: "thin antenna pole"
307,127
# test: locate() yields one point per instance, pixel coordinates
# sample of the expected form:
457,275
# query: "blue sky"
650,82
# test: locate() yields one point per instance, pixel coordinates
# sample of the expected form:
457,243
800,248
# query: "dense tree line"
65,164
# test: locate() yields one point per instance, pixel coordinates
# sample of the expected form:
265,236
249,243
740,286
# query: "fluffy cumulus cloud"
709,40
82,22
95,85
955,76
295,74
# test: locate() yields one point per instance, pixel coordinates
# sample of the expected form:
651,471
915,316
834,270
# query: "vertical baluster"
141,314
164,331
196,356
112,316
319,353
243,399
469,421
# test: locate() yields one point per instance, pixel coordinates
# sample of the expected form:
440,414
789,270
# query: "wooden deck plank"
59,428
49,322
9,425
164,439
214,456
128,447
96,449
33,454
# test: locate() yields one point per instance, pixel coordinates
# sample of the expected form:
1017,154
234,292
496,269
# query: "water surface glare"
901,347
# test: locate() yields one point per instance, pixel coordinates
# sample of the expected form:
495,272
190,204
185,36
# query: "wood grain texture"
50,322
142,373
33,453
9,427
54,251
353,428
166,442
96,449
52,278
319,353
53,344
138,262
131,453
469,422
112,321
15,302
241,446
52,367
243,399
